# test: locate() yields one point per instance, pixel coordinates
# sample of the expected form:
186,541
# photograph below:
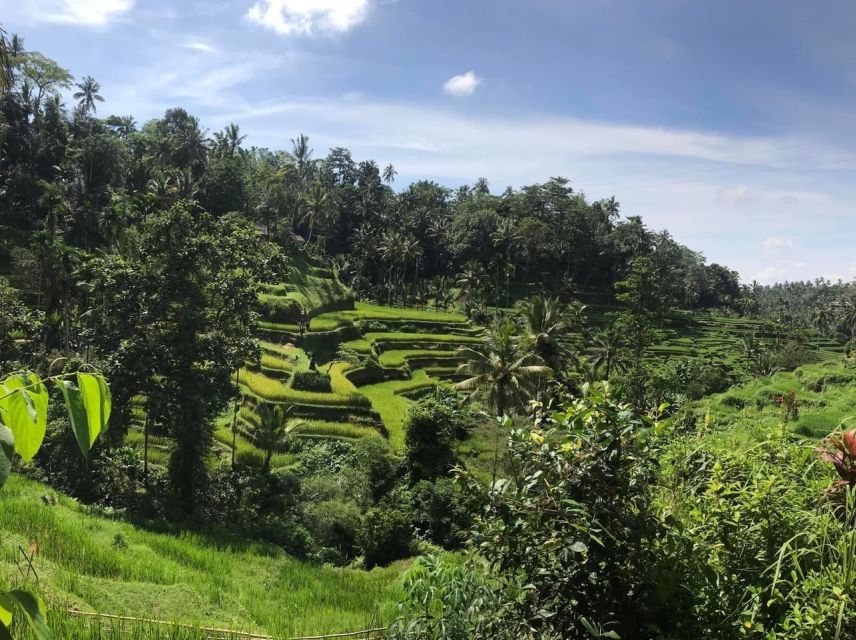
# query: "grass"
398,358
447,338
826,392
387,400
366,311
273,390
94,563
246,452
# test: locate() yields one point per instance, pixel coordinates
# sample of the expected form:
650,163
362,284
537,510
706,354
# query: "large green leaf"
88,403
7,608
34,611
76,413
7,450
96,401
24,409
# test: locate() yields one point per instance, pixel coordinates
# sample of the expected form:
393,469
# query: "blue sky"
729,123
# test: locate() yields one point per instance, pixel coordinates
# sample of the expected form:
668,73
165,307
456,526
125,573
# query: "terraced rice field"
405,353
361,400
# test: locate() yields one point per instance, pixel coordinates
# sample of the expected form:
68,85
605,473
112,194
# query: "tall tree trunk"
235,416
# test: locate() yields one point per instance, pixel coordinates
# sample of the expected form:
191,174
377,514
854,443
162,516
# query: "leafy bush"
374,461
373,325
386,534
311,381
440,512
333,524
429,438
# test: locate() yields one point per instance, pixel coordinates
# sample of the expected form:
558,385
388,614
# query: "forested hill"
75,180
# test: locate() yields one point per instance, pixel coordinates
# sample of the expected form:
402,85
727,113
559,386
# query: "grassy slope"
826,392
94,563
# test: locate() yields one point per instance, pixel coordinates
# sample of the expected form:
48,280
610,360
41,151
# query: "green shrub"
386,534
311,381
428,439
334,524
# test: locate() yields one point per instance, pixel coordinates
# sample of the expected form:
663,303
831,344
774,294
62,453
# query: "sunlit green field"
92,563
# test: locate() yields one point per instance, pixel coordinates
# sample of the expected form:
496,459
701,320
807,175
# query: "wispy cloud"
288,17
198,45
85,13
462,85
777,244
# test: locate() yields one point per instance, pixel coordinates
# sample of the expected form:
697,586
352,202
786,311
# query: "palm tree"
274,429
228,143
185,185
546,325
301,153
606,346
389,174
502,370
317,207
392,243
6,63
411,252
469,282
88,94
161,186
504,239
822,317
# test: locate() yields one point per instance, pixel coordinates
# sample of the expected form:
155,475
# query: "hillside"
374,360
825,392
90,562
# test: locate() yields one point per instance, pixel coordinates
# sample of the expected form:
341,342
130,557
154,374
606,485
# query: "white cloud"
462,85
776,244
288,17
737,195
770,274
198,45
86,13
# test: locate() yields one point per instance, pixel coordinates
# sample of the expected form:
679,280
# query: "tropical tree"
546,325
606,347
317,206
6,63
88,94
504,239
275,429
470,282
301,154
501,371
389,174
228,142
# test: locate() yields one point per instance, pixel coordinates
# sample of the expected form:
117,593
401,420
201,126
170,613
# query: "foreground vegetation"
583,428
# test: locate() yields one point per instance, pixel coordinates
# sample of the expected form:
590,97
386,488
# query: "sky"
729,123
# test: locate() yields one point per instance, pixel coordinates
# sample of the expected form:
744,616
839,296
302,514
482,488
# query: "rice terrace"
259,384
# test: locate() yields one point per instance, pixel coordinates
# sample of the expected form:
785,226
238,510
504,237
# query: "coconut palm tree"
504,239
389,174
469,282
502,370
5,63
275,429
396,249
546,326
606,346
822,318
228,142
301,153
411,253
317,202
88,94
